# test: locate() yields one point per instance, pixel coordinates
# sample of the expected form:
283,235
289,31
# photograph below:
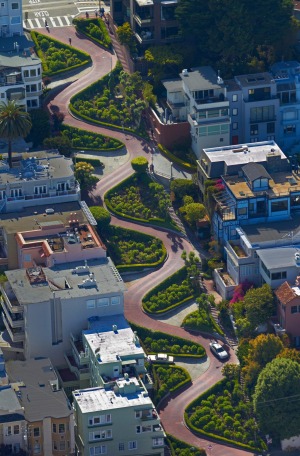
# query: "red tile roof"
285,293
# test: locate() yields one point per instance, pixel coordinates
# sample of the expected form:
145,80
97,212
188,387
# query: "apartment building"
49,429
199,96
152,21
120,419
11,18
13,426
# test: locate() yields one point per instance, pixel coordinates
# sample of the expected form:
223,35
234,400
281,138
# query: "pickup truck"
161,358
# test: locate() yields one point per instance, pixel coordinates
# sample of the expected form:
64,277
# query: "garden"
131,250
117,100
224,412
167,379
140,199
88,140
94,29
57,57
179,448
201,319
157,342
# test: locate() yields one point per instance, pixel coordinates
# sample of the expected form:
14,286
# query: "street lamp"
171,170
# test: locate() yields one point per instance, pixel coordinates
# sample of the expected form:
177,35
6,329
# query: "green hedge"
187,166
152,220
216,388
95,162
175,278
144,333
161,388
99,35
89,140
177,445
204,328
83,56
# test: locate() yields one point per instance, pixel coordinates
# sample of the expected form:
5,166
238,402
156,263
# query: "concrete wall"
170,135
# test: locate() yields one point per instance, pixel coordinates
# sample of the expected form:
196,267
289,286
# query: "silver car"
218,351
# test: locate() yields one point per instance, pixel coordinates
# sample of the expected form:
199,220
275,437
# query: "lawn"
128,247
57,57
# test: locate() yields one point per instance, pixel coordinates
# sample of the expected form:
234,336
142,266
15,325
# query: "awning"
128,361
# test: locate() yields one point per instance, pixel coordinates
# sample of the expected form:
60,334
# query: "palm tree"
14,122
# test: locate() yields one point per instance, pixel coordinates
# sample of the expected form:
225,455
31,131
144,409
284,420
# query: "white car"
218,351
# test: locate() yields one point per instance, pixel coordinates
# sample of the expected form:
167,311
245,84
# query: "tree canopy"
276,398
102,217
259,305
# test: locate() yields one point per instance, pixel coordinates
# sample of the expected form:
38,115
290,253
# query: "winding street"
172,413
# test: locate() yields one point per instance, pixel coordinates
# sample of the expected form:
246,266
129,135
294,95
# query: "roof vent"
115,328
126,376
185,72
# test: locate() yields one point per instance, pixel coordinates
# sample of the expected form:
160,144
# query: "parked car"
218,350
161,358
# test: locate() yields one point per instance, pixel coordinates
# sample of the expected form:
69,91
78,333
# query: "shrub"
139,164
102,217
88,140
94,29
170,379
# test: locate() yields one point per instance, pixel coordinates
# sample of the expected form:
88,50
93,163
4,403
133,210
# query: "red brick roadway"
172,413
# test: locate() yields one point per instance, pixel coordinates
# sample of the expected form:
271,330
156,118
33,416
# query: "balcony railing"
12,302
16,336
14,323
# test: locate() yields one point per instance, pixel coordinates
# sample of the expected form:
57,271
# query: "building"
13,425
120,419
48,412
20,68
199,96
288,309
63,297
36,179
152,21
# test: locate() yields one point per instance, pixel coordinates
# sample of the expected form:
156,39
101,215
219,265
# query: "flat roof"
99,399
243,153
112,344
201,78
9,403
280,257
173,85
257,79
35,167
31,380
272,231
36,285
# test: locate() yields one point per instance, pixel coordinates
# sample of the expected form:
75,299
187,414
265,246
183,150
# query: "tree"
290,353
276,398
62,143
205,302
193,212
84,174
126,36
259,305
14,122
182,187
139,165
40,127
102,217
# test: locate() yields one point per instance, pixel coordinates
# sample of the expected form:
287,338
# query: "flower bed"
222,413
158,342
168,378
201,321
57,57
133,249
94,29
88,140
170,293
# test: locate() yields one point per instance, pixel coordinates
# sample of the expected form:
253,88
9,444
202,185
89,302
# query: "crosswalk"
58,21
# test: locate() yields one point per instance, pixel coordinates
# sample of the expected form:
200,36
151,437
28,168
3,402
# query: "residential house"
152,21
119,419
288,309
13,425
48,412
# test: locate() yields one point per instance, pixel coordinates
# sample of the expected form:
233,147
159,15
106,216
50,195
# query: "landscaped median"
169,294
158,342
88,140
179,448
138,198
223,414
168,379
134,251
94,29
56,56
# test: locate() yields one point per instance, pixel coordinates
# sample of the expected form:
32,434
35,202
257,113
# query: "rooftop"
35,382
258,79
286,231
283,71
111,338
10,408
67,280
36,166
8,48
95,399
286,254
173,85
202,78
285,293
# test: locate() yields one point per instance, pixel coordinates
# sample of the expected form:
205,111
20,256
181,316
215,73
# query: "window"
271,127
36,432
242,211
254,129
54,428
102,302
279,206
55,447
15,6
36,447
38,190
158,441
102,419
33,73
90,304
61,428
138,429
16,429
234,97
115,300
262,114
132,445
234,125
289,129
15,192
26,73
121,446
138,414
8,430
15,20
101,449
265,269
294,309
235,112
100,435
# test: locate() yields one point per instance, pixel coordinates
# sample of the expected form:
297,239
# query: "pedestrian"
47,28
46,23
96,13
70,41
87,15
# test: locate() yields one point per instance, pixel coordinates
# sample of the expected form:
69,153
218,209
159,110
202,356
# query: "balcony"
150,414
237,253
82,373
16,335
10,299
81,355
225,285
15,320
143,20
